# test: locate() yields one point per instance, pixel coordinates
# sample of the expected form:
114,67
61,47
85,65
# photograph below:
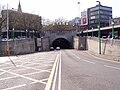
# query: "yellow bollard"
8,52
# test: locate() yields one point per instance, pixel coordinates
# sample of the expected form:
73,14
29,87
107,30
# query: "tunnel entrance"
62,43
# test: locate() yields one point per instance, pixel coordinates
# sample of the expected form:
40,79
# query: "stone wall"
45,44
80,43
22,46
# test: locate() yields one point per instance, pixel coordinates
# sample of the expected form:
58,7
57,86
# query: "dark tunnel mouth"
62,43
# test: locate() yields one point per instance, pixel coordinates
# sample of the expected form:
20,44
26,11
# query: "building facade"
105,13
23,24
116,21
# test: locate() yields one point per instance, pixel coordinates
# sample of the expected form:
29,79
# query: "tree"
58,24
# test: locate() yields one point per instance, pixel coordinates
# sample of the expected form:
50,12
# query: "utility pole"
99,33
113,29
8,51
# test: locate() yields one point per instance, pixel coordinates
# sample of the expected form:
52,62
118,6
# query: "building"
116,21
93,15
21,22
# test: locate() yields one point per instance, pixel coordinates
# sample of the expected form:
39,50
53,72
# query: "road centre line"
83,60
55,76
112,67
48,86
59,83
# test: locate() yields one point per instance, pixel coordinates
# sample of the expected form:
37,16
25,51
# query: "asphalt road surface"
31,72
59,70
81,71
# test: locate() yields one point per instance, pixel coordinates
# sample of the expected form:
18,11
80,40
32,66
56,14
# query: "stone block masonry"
21,46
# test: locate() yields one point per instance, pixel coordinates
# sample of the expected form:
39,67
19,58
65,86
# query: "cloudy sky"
67,9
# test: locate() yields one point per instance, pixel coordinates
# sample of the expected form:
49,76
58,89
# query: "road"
81,71
59,70
30,73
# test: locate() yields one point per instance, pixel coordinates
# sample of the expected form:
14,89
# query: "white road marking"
8,78
15,87
112,67
23,76
89,61
55,76
48,86
59,83
83,60
33,73
2,73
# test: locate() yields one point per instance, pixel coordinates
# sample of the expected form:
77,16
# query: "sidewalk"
6,58
106,57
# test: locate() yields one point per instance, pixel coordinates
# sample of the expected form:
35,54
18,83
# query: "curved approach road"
81,71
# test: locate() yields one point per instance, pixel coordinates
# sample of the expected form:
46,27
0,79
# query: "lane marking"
83,60
89,61
59,83
55,76
15,87
112,67
48,86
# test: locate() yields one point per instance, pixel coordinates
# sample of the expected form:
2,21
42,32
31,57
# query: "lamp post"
87,33
99,33
92,32
26,33
112,29
21,34
78,8
13,33
33,33
78,24
8,50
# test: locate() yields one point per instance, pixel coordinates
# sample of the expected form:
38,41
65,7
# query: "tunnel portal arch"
62,43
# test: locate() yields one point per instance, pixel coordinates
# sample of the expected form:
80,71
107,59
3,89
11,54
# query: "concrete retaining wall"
22,46
80,43
45,44
108,46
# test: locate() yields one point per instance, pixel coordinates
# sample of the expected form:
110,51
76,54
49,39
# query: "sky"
54,9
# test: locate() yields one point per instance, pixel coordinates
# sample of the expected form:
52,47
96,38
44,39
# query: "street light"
112,29
26,33
78,21
87,33
33,33
92,32
21,34
13,33
99,34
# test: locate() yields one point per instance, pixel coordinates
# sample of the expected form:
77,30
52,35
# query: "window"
93,17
